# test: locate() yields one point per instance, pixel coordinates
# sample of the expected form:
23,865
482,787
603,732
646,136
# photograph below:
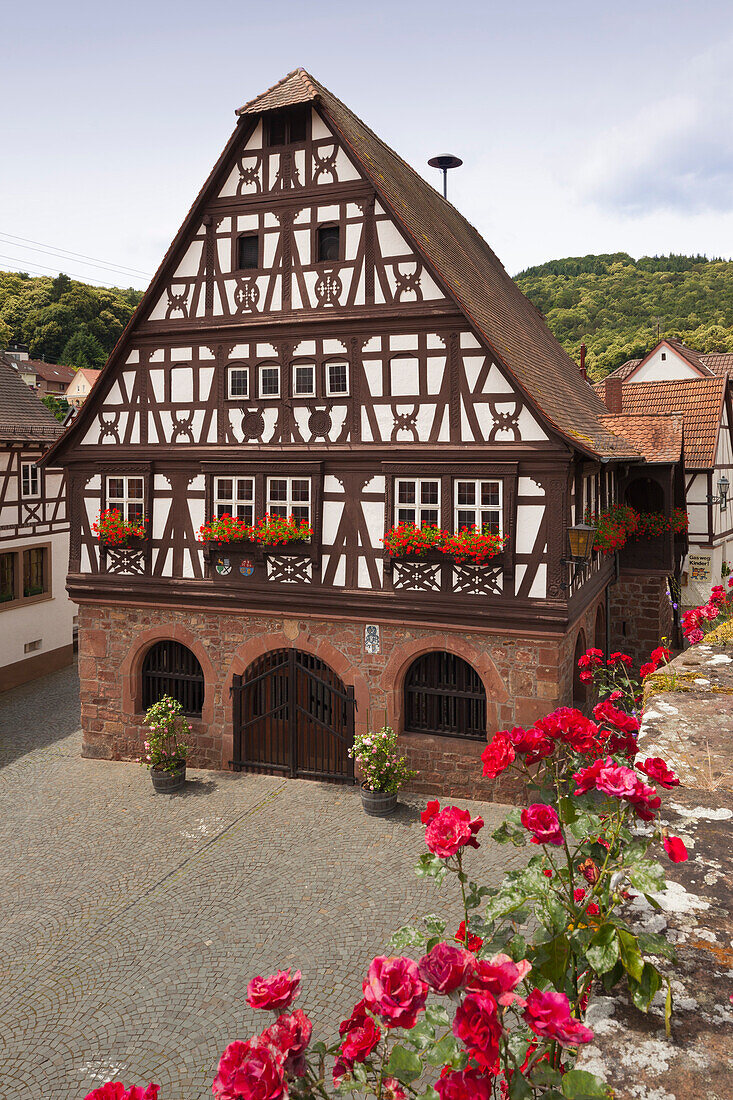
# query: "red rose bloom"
548,1015
661,653
450,829
392,1089
250,1071
607,712
468,1084
498,976
473,943
647,670
619,659
542,821
360,1041
115,1090
675,849
277,991
290,1034
356,1019
498,755
446,968
395,991
657,770
476,1024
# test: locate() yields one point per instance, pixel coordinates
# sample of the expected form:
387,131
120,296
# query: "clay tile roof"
22,415
699,401
89,373
50,372
621,372
473,275
658,438
689,354
719,362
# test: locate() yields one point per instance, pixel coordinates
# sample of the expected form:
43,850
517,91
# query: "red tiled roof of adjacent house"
719,362
89,373
473,275
657,437
50,372
22,414
708,362
699,401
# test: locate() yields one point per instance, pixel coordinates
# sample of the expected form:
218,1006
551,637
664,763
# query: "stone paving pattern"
132,922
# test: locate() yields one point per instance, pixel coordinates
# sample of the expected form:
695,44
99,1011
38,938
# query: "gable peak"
296,87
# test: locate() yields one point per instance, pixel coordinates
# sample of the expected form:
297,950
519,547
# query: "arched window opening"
645,494
599,634
444,695
580,693
171,669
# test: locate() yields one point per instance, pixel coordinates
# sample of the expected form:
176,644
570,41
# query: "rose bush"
491,1012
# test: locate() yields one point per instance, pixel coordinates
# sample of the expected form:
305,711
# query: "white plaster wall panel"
656,369
353,236
270,221
435,371
218,307
328,213
190,262
128,380
269,415
538,591
332,513
519,570
391,242
472,365
114,397
269,247
338,416
466,432
444,430
423,422
373,373
374,516
121,430
85,563
385,421
206,378
152,430
299,162
379,298
528,487
255,139
296,302
364,579
182,384
159,310
528,426
135,429
224,252
339,579
266,351
308,347
157,356
247,223
94,485
302,413
430,289
213,429
482,412
404,376
167,556
435,341
239,351
92,433
311,278
302,217
318,127
231,184
373,344
529,518
468,340
404,342
345,168
496,381
161,511
201,306
366,428
332,484
273,166
235,423
133,357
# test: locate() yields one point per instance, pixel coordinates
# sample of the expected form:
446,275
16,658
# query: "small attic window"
248,252
664,356
286,127
328,243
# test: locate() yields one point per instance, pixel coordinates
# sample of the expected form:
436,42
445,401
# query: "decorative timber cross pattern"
328,289
291,570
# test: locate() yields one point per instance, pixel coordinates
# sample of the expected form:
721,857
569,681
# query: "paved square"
132,922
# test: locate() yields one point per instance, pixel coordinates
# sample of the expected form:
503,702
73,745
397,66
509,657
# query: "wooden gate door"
293,716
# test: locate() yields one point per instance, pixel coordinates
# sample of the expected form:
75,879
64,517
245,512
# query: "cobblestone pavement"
131,922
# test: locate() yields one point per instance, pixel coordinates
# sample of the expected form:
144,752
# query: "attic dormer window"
328,243
287,127
248,252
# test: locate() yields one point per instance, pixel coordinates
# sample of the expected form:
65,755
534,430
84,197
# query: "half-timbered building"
36,616
327,337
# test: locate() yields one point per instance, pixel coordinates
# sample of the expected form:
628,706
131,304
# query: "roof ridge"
303,75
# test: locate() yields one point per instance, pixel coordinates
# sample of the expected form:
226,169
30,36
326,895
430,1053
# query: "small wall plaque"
700,567
372,640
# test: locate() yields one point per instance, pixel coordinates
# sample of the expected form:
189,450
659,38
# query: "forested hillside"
613,304
62,320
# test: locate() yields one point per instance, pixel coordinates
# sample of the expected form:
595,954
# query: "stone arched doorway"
599,633
292,715
445,696
580,693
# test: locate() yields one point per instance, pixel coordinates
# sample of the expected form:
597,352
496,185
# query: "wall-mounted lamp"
581,537
722,497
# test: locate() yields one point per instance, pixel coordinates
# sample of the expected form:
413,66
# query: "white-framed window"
289,496
478,504
235,496
337,378
127,496
30,481
417,500
269,380
238,381
304,380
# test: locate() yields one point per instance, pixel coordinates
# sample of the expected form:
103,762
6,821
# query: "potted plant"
165,751
382,770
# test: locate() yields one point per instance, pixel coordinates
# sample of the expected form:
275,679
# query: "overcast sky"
584,127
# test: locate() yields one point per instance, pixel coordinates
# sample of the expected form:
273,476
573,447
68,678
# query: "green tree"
83,349
59,406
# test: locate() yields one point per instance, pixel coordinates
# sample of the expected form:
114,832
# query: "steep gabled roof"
473,275
719,362
49,372
699,401
22,414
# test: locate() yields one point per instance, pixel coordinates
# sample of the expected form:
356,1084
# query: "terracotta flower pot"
378,803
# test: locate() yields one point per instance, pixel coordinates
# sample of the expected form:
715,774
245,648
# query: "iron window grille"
445,696
248,252
170,668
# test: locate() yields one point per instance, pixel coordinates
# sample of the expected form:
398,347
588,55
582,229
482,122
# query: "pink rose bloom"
695,636
657,769
675,849
468,1084
709,612
277,991
446,968
476,1024
498,754
499,976
449,829
395,991
250,1071
548,1015
115,1090
290,1034
392,1089
542,821
617,781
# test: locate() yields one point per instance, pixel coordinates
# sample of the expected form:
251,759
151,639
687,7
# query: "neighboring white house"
673,378
36,615
81,386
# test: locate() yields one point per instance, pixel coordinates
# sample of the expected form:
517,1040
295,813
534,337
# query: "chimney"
613,395
582,362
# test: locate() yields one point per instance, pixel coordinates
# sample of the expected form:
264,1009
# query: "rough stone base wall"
641,614
524,679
